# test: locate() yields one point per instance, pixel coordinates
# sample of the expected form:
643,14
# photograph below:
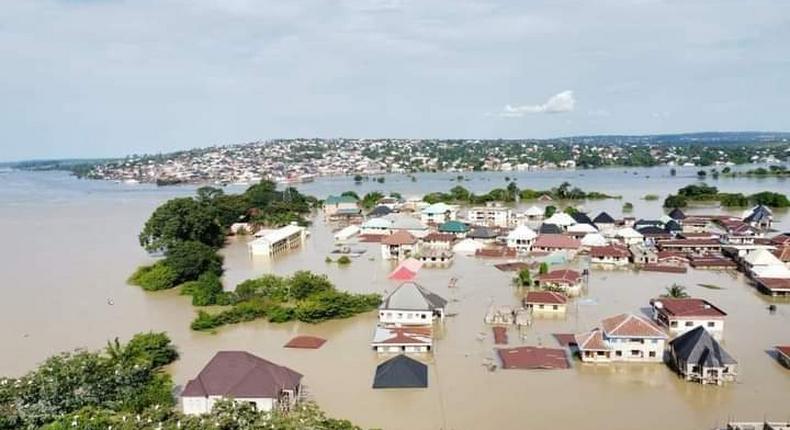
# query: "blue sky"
106,78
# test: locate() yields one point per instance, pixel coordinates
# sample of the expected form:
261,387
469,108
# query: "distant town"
301,160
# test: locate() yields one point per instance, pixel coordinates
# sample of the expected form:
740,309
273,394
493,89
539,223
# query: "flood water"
70,245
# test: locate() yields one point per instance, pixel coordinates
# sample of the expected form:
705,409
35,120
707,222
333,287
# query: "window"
555,307
689,323
652,354
635,353
711,324
540,306
618,353
422,316
673,324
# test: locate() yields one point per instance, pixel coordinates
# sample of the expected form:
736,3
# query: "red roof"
777,284
545,297
556,241
498,251
500,335
687,307
690,242
400,237
306,342
592,340
402,273
565,339
784,350
783,254
781,239
671,255
439,237
533,357
629,325
561,276
409,335
609,251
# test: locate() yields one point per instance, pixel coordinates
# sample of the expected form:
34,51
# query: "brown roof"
565,339
409,335
561,276
239,374
512,267
784,350
783,254
664,268
306,342
671,255
687,307
609,251
495,251
690,242
549,297
775,283
592,340
556,241
400,237
629,325
781,239
500,335
533,357
439,237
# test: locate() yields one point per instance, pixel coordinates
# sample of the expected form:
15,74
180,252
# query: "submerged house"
336,204
623,338
389,339
680,315
521,238
411,304
244,378
398,246
401,372
610,255
548,302
557,242
490,215
565,280
454,227
698,357
759,216
604,222
438,213
275,242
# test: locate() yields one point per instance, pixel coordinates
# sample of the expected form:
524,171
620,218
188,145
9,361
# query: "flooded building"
680,315
623,338
274,242
698,357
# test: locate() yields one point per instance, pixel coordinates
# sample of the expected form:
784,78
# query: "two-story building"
490,216
623,338
680,315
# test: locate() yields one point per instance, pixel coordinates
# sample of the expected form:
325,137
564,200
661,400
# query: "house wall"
616,261
678,326
397,252
490,218
203,405
546,308
636,349
405,317
397,349
520,244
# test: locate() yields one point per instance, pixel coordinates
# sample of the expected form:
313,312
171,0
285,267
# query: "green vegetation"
650,197
524,278
676,291
706,193
773,170
711,286
459,194
124,387
544,268
549,211
343,260
183,262
628,207
304,296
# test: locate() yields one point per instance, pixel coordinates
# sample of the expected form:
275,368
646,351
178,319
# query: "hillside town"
302,160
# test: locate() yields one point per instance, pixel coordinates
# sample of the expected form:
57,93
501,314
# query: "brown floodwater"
65,258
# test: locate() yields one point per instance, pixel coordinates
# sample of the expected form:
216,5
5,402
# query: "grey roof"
677,214
699,347
482,233
401,372
648,223
581,218
549,229
239,374
380,211
759,213
650,229
672,226
603,218
412,296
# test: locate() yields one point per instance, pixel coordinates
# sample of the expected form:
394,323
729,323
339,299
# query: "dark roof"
603,218
699,347
581,218
239,374
482,233
549,229
759,213
401,372
380,211
673,226
648,223
677,214
650,230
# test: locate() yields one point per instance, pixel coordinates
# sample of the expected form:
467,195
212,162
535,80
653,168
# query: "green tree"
675,201
303,284
178,220
675,291
370,199
549,211
524,278
155,277
544,268
191,259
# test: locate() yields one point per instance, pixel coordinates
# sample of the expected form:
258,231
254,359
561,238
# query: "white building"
624,338
438,213
680,315
629,236
490,216
274,242
411,304
521,238
244,378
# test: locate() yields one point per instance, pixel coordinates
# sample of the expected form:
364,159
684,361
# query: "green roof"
334,200
453,227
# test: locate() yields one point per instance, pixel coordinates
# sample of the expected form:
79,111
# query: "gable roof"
534,211
404,222
758,213
412,296
592,340
677,214
687,307
562,275
559,241
582,228
380,210
609,251
593,239
239,374
762,257
561,219
630,325
672,225
546,228
453,226
603,218
628,233
401,372
522,232
437,209
699,347
545,297
482,233
581,218
400,237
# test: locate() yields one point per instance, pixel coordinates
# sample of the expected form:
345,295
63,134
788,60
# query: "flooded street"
70,245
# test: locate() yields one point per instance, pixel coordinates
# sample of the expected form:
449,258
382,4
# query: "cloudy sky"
84,78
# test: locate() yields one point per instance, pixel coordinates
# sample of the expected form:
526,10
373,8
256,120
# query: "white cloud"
559,103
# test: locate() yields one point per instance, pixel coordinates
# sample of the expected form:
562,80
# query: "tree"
178,220
676,291
675,201
350,194
524,278
701,174
771,199
303,284
191,259
628,207
544,268
733,200
370,199
570,210
460,194
155,277
343,260
512,190
673,172
549,211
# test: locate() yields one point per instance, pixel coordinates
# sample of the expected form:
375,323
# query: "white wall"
389,316
203,405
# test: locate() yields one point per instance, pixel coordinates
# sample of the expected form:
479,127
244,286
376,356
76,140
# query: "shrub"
155,277
344,260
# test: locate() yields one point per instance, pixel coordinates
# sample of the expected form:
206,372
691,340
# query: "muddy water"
69,249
